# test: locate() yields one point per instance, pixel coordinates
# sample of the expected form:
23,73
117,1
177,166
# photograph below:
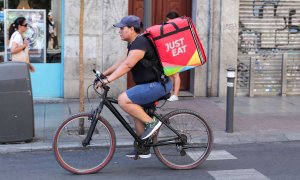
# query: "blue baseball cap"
130,20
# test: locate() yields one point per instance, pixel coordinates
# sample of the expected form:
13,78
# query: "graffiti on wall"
259,6
274,32
272,27
242,75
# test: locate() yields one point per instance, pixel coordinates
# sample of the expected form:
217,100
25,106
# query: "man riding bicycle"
147,71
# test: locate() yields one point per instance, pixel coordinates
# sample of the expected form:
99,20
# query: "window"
52,27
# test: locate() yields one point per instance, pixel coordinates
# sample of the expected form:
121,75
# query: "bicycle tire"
191,125
73,156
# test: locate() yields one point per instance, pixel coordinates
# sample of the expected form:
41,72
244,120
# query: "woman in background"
17,44
175,77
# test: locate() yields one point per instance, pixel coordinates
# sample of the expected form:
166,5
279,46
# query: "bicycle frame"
83,125
108,102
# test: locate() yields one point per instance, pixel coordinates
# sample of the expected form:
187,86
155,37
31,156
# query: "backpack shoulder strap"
157,65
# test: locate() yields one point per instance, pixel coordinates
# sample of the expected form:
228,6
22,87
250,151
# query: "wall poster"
36,32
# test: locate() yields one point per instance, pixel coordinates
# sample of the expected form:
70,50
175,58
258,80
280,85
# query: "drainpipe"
209,48
147,13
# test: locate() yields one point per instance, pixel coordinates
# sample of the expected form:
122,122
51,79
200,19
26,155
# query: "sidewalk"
259,119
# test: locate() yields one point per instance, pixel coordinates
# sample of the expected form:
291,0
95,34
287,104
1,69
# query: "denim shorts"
148,93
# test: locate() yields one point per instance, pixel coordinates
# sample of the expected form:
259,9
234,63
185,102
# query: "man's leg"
139,126
138,112
133,109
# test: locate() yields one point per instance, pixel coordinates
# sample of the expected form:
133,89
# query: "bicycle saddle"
152,104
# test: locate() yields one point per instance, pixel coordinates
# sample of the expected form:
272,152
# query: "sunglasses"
25,25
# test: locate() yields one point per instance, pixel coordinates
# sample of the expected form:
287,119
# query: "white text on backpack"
177,47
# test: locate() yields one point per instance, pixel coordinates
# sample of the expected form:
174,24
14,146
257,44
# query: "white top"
17,38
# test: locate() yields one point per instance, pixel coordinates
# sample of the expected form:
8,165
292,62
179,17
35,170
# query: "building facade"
260,39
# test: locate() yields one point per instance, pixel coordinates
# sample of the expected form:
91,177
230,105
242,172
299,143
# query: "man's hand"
101,84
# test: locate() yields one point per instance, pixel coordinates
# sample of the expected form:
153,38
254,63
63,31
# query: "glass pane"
53,44
53,24
34,33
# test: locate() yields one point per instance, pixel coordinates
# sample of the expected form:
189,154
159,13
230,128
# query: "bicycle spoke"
193,146
79,159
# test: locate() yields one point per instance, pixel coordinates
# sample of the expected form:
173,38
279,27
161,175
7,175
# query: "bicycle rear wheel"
195,147
79,159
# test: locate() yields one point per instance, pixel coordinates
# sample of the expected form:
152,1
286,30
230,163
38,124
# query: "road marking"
220,155
214,155
238,174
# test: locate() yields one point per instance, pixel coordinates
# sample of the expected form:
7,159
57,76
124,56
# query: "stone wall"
201,20
216,22
102,45
229,24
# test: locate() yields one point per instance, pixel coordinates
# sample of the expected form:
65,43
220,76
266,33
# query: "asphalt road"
278,160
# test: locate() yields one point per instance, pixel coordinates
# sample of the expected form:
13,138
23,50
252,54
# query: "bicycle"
86,142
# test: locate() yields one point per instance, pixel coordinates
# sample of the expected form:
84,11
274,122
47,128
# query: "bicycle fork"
90,132
94,121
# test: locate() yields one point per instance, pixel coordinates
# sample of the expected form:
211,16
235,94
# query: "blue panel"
47,80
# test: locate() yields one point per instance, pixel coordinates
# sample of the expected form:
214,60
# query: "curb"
224,138
221,138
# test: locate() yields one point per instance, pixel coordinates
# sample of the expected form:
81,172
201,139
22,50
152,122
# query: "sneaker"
144,154
151,128
173,98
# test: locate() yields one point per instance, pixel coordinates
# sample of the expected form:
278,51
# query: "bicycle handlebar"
99,78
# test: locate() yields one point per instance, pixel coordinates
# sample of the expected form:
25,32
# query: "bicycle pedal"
135,157
182,153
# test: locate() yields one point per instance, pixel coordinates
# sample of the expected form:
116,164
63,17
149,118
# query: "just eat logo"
176,47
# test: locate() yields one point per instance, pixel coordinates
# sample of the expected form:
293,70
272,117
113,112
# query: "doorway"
160,8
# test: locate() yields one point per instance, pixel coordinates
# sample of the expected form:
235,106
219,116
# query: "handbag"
23,56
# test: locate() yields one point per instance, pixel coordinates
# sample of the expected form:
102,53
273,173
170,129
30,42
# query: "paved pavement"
259,119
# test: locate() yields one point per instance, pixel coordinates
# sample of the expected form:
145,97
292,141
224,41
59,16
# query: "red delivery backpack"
177,44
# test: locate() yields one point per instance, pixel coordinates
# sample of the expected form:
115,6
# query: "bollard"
230,100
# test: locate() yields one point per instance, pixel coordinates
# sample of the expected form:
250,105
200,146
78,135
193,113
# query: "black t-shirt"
143,71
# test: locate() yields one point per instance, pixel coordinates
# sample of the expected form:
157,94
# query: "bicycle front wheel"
70,152
192,148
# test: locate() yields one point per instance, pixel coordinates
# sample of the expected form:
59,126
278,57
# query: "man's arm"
133,57
111,69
